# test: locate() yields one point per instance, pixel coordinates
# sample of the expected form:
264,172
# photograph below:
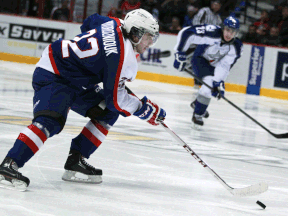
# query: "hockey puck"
261,204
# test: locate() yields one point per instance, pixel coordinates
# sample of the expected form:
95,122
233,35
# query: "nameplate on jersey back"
108,35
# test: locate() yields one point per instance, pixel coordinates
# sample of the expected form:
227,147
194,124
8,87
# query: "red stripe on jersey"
91,137
100,127
22,137
53,61
116,84
117,21
38,132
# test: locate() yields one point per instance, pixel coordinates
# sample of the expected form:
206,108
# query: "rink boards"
261,70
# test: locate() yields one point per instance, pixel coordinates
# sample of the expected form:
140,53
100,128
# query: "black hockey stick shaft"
278,136
247,191
188,149
165,54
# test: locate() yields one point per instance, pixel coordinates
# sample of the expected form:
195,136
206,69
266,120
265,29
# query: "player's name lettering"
108,36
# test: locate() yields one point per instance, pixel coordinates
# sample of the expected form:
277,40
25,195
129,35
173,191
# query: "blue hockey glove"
150,112
180,61
218,89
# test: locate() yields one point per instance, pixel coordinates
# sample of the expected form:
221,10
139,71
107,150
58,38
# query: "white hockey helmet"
138,22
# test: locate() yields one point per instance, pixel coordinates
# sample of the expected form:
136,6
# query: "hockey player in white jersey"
217,51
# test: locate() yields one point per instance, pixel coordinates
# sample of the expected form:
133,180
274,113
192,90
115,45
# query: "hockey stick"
278,136
246,191
164,54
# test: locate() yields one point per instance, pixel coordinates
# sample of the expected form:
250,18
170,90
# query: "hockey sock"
91,137
201,104
32,138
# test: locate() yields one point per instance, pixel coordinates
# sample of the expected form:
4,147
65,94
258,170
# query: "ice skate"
205,115
10,178
197,121
78,170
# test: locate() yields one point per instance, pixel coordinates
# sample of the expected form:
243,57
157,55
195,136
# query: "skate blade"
81,178
14,185
196,127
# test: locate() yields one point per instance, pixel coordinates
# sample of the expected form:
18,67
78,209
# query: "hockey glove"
218,90
150,112
180,61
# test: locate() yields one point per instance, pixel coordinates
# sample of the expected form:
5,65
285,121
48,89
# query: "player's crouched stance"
66,77
217,50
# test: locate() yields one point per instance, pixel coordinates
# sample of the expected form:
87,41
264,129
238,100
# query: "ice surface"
145,171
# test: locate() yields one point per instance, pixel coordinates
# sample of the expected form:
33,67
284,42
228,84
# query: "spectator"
283,26
260,34
250,36
195,3
169,9
114,12
174,27
33,8
227,7
152,7
276,14
264,20
273,38
205,3
48,8
188,19
209,15
129,5
62,13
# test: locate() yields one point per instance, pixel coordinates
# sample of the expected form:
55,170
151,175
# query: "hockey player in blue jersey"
66,77
217,50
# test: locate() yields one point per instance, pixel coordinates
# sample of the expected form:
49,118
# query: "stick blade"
250,190
164,54
281,136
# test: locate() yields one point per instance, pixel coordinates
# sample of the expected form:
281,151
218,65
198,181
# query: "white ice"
145,171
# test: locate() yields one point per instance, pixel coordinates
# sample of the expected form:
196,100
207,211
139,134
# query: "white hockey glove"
180,61
150,112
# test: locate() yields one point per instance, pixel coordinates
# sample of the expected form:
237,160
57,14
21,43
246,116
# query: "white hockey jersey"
210,46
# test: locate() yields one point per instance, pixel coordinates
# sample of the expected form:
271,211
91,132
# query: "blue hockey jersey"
209,45
100,54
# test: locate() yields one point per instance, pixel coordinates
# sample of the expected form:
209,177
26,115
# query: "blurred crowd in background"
173,15
271,28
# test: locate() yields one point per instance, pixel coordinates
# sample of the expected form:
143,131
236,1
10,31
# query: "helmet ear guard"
138,22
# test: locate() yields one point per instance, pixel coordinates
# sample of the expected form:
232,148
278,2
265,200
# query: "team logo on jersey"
36,104
108,35
215,57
